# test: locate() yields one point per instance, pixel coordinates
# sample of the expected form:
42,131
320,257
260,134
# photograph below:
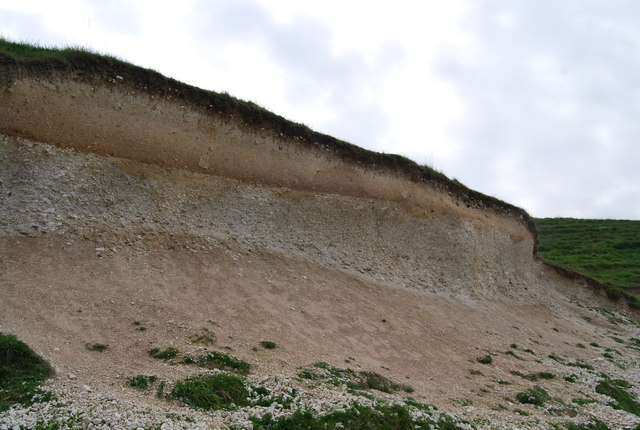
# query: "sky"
535,102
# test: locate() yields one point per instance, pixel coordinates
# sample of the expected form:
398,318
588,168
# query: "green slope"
606,250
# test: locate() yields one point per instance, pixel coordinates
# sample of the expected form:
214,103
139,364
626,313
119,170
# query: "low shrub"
218,391
21,372
533,396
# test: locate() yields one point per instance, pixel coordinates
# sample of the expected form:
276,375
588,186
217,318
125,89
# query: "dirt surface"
381,274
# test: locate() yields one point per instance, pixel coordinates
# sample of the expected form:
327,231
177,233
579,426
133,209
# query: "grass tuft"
141,382
209,392
486,359
267,344
617,390
100,347
219,360
21,372
165,354
533,396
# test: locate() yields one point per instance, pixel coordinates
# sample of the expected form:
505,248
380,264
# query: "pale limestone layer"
114,120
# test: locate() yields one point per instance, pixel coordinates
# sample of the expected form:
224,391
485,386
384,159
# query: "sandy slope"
89,245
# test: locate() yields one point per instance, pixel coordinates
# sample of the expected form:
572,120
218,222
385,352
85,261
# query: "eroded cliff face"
226,179
123,204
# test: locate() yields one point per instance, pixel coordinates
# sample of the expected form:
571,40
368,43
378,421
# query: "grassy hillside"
606,250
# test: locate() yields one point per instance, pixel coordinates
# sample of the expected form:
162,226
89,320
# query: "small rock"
86,388
71,376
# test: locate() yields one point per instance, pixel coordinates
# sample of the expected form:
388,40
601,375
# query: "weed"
486,359
462,402
375,381
267,344
566,411
534,376
219,391
573,378
514,355
533,396
556,358
141,382
360,417
207,337
219,360
97,347
160,390
617,390
529,351
475,372
580,345
582,402
362,380
595,345
581,364
307,374
21,372
521,412
165,354
592,425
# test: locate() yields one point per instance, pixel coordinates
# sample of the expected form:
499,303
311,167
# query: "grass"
210,392
617,389
21,372
360,380
100,347
396,417
605,250
267,344
533,376
485,359
533,396
219,360
206,337
141,382
165,354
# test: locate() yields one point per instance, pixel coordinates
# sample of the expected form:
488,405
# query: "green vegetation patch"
267,344
533,376
533,396
617,389
100,347
605,250
141,382
165,354
219,391
219,360
591,425
396,417
360,380
485,359
21,372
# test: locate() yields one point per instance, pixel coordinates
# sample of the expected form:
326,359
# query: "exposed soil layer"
153,203
91,244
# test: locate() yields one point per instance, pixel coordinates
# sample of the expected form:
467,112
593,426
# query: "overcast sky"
536,102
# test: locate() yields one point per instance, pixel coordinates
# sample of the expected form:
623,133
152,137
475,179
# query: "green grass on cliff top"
606,250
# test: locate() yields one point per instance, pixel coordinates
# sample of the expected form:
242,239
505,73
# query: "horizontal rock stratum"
127,197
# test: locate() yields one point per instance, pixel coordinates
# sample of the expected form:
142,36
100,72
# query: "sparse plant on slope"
219,391
21,372
617,389
165,354
219,360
